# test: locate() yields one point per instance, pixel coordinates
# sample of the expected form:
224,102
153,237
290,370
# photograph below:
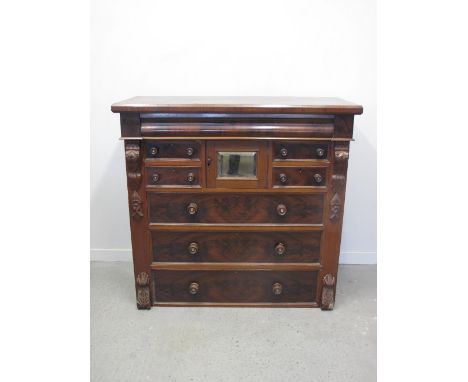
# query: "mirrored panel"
237,164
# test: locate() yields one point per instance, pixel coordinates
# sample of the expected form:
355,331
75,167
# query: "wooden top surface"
237,105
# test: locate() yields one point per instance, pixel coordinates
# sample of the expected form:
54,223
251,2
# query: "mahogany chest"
236,201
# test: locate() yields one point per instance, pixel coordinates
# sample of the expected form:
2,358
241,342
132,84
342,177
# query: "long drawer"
246,208
257,247
234,286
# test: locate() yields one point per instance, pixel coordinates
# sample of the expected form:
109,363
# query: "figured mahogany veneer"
235,286
287,150
173,150
299,176
236,208
262,227
173,176
241,247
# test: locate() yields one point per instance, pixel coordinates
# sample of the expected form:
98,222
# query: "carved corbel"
132,157
143,291
328,292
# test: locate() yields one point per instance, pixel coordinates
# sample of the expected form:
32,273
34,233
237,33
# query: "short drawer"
284,150
235,208
172,150
234,286
299,176
173,176
254,247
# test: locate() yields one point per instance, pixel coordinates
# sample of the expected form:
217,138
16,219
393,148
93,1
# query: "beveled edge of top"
266,105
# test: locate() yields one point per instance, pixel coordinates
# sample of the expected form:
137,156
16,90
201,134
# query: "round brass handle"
156,178
281,209
193,248
190,177
320,152
190,151
284,152
154,151
277,288
283,178
318,178
192,208
280,249
194,288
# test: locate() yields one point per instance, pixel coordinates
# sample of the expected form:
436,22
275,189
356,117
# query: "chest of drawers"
236,201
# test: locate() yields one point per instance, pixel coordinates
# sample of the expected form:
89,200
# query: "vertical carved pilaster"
339,180
133,159
143,291
328,292
138,222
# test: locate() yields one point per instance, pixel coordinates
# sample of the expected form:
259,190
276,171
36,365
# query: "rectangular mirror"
237,164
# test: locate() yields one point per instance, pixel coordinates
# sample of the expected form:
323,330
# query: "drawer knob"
284,152
281,209
156,178
154,151
280,249
190,177
283,178
320,152
318,178
190,151
193,248
192,208
193,288
277,288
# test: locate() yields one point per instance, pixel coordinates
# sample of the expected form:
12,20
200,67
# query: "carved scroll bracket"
328,292
143,291
132,157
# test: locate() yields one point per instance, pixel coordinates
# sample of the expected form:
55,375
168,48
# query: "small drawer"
234,286
293,150
235,208
173,176
240,247
172,150
299,176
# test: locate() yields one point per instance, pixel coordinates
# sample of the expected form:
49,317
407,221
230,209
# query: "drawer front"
234,286
173,176
255,247
299,176
242,208
300,150
172,150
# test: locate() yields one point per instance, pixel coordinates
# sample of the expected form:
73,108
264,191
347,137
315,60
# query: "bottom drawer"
234,286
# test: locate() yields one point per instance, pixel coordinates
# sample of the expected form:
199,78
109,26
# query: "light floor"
232,344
